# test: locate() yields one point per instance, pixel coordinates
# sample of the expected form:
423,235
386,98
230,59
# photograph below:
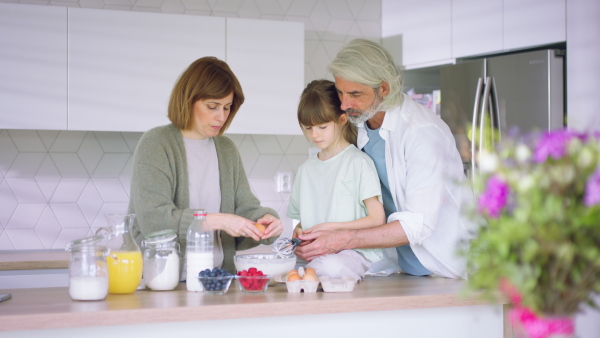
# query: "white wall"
583,64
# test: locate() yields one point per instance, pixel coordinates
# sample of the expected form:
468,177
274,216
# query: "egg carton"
344,284
299,285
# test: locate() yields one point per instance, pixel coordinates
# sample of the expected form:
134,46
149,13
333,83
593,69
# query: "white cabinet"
268,60
33,67
123,65
421,27
534,22
434,32
484,27
476,27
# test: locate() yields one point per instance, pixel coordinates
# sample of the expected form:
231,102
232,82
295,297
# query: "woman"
189,165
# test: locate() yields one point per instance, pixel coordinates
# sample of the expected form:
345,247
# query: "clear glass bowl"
253,284
269,264
216,285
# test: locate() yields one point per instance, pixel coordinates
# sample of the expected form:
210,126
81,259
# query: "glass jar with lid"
88,272
161,260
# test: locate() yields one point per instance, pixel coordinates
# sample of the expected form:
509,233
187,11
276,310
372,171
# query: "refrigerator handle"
496,109
484,103
474,126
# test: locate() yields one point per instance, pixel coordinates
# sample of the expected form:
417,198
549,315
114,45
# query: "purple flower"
494,198
592,190
553,144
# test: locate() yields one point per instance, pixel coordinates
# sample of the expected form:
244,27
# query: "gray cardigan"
160,196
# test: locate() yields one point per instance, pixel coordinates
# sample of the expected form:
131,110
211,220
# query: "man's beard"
366,115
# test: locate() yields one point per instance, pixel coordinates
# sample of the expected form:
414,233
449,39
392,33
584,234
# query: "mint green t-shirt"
334,190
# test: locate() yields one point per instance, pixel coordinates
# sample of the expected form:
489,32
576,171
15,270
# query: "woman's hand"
235,225
273,224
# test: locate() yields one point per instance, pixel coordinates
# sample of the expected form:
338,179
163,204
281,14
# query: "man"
420,169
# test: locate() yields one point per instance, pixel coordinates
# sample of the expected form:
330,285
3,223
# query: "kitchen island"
428,303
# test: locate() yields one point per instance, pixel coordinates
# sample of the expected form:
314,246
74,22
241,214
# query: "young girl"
337,189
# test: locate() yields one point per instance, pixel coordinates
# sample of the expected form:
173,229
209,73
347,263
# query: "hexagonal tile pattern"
68,141
69,190
47,177
90,153
27,140
8,203
56,186
48,137
8,152
26,216
48,228
26,164
90,202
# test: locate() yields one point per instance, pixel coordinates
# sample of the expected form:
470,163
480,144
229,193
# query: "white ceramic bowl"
269,264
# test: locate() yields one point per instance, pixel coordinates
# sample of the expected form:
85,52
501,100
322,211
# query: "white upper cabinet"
421,27
268,59
434,32
123,65
476,27
534,22
33,67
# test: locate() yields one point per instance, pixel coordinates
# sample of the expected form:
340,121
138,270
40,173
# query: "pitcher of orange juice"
124,258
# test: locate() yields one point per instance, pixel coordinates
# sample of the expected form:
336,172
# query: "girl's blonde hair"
320,104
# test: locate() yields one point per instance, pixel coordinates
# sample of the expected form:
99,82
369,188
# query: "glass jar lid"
161,236
87,243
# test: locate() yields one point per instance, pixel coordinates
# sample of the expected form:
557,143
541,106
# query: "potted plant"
540,244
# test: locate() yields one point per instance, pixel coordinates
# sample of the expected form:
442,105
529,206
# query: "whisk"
284,247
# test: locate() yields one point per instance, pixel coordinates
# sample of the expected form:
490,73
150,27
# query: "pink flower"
553,144
592,190
511,291
494,198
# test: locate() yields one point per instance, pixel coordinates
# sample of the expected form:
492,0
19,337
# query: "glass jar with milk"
88,273
161,260
198,250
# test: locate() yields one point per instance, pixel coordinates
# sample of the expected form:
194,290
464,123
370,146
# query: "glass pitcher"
88,274
124,258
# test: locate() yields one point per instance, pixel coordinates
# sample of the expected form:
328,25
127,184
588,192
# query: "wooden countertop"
49,308
34,260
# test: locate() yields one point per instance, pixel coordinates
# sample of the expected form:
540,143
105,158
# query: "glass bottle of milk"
199,250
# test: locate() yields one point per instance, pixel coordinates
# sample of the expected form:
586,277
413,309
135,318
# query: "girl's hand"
297,231
234,225
273,224
329,226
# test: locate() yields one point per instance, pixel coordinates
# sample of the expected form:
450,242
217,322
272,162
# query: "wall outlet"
284,182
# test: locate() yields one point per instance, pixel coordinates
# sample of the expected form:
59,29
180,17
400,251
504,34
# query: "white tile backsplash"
26,140
26,190
56,186
26,164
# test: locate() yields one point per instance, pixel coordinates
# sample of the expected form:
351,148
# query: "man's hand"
319,243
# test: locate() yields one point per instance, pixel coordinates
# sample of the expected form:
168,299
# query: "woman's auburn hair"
320,104
205,78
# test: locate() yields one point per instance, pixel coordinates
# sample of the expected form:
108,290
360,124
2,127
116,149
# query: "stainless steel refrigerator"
481,99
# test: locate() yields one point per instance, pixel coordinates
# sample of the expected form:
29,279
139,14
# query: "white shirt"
428,185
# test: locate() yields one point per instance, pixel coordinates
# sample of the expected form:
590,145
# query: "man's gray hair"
368,63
